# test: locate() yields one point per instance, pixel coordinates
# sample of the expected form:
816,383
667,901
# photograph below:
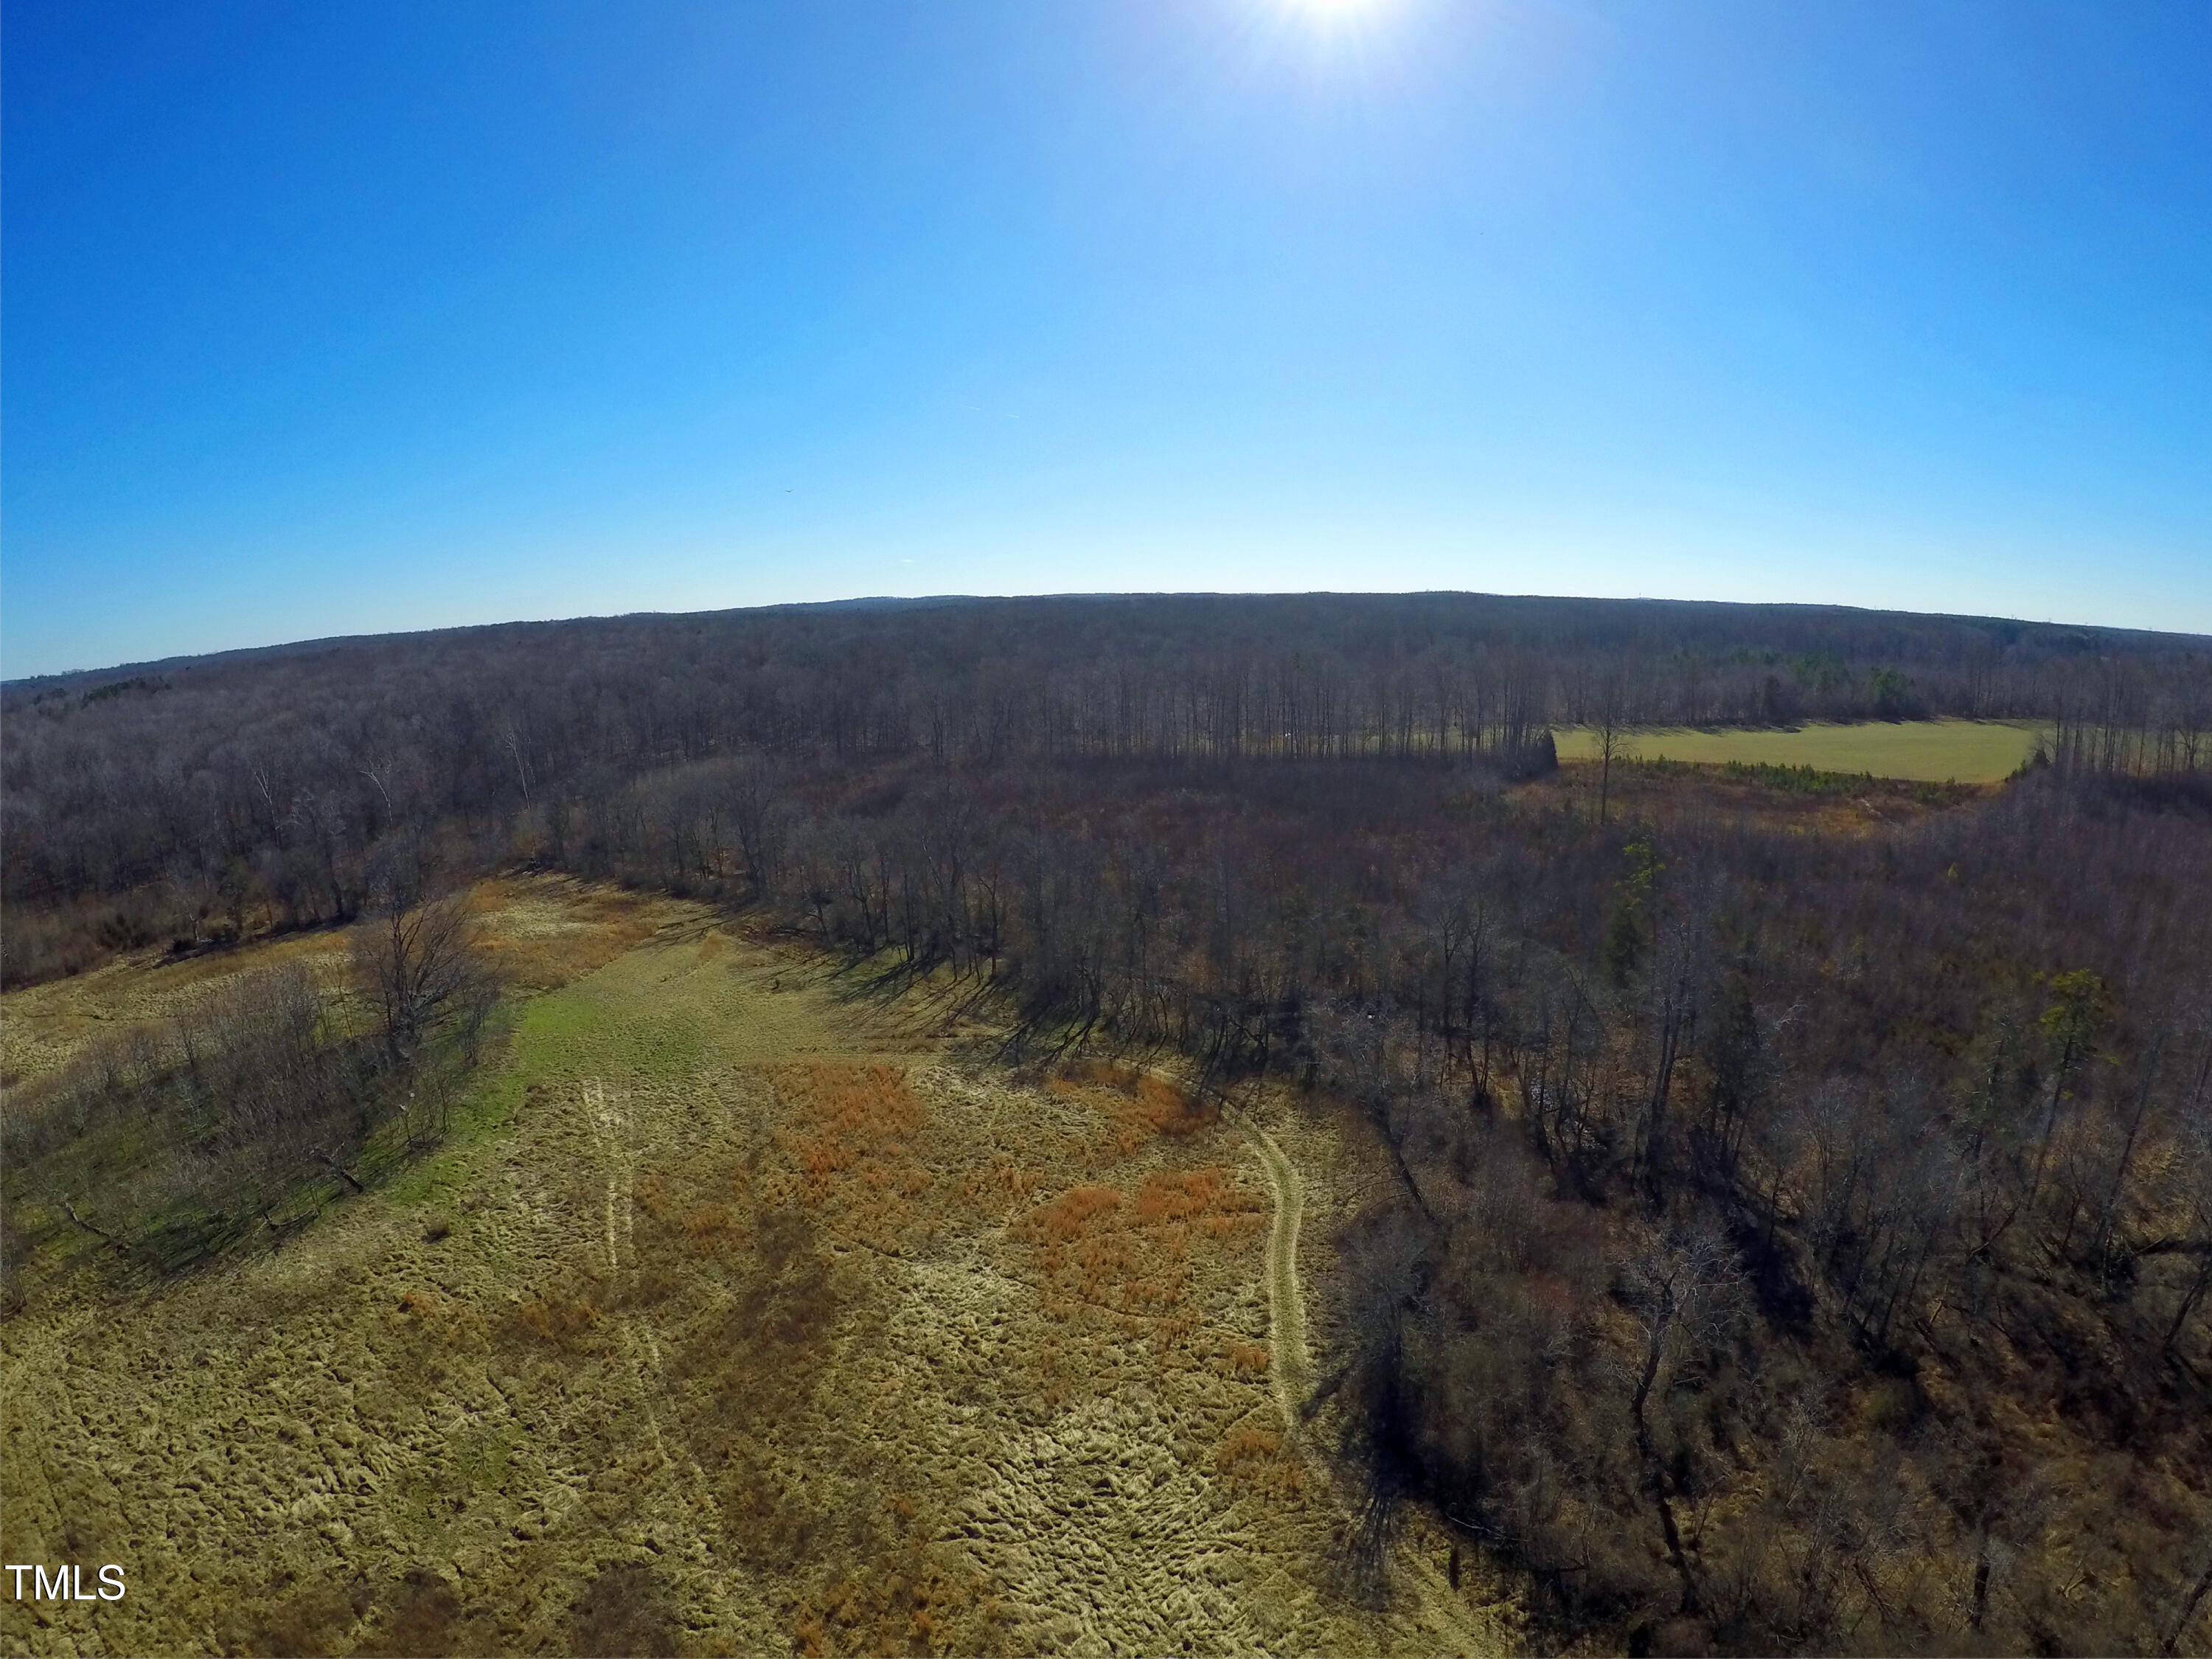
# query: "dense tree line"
1815,1257
204,798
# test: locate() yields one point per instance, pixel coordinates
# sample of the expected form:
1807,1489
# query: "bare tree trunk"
1647,1450
69,1210
2109,1212
2190,1603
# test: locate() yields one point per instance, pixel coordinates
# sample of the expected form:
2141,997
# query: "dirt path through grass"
1291,1364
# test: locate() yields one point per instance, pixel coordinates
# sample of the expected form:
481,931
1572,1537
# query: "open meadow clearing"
1929,751
741,1313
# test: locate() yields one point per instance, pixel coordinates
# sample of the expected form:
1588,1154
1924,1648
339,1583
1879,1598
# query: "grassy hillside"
742,1312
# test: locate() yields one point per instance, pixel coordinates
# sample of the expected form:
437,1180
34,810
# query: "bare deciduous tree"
421,968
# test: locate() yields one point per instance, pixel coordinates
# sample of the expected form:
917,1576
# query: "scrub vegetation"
1293,1156
253,1103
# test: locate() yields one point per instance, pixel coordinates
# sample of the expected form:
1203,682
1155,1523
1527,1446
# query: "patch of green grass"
648,1028
1930,751
607,1021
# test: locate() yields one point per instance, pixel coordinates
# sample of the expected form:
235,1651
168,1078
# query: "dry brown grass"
423,1618
1128,1257
1002,1180
622,1611
757,1310
554,1321
1257,1459
850,1132
907,1600
427,1334
544,932
1138,1106
709,1213
1245,1359
296,1620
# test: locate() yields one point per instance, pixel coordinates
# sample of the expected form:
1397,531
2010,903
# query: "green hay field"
1927,751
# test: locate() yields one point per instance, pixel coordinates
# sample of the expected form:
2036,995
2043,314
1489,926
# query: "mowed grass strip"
1926,751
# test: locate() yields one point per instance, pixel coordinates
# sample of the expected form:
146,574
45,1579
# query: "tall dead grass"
1139,1107
1256,1458
905,1599
849,1132
1128,1256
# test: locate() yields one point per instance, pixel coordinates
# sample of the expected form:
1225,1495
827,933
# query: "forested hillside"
1800,1224
207,795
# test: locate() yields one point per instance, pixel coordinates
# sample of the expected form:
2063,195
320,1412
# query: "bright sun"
1336,10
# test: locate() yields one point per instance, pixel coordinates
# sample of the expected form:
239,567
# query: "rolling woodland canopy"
280,768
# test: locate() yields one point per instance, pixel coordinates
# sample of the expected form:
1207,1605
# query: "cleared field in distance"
1927,751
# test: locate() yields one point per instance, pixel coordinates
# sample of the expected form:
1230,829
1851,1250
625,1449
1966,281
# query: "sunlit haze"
328,320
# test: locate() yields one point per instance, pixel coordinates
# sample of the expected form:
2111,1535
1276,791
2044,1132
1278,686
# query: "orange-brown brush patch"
710,1222
1138,1106
848,1133
1126,1258
556,1322
700,1214
1068,1217
1245,1359
1255,1457
910,1602
1187,1195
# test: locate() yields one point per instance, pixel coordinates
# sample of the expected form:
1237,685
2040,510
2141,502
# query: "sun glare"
1338,38
1334,15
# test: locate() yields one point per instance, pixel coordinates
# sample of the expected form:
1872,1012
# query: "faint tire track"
609,1131
613,1134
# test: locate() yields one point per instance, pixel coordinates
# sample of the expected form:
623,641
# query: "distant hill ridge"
1497,618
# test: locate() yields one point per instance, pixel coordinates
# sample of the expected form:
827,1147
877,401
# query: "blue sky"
329,319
